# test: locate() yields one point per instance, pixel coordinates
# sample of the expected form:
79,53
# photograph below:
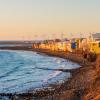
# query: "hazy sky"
22,19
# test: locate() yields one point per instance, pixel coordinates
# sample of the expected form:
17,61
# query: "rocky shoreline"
83,85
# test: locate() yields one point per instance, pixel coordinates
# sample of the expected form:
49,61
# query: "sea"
21,71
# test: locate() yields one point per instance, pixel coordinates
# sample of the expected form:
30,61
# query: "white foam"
52,75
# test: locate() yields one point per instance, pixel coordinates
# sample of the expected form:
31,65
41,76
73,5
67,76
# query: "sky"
32,19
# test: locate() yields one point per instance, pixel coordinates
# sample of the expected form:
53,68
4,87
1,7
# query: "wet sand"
83,85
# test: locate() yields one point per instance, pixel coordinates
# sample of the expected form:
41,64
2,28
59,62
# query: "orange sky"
31,19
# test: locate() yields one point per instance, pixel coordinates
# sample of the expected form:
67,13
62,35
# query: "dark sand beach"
83,85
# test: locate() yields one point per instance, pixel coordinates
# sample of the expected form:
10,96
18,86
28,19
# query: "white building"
96,37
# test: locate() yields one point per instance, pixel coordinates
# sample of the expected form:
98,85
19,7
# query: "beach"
83,84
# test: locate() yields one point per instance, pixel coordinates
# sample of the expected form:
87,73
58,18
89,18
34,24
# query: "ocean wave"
19,70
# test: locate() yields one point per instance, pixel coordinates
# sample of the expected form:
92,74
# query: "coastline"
75,88
70,56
